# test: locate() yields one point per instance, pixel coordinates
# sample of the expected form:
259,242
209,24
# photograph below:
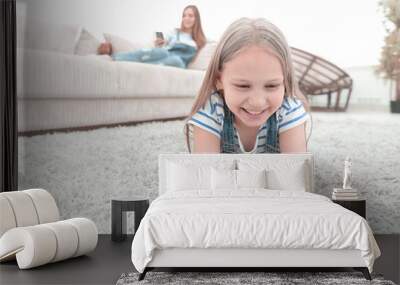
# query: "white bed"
201,219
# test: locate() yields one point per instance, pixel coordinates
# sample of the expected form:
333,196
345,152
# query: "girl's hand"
159,42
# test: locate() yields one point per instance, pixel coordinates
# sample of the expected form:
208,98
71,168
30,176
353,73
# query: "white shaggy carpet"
85,170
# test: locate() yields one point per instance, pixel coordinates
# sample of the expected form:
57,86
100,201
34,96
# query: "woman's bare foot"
105,48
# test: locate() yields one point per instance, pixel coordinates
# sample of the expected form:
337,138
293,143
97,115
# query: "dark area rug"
273,278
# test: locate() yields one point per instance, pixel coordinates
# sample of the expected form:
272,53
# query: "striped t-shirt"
211,118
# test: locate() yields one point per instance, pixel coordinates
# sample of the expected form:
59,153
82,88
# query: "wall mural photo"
103,92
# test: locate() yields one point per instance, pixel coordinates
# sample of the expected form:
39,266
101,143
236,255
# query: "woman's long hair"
197,31
243,33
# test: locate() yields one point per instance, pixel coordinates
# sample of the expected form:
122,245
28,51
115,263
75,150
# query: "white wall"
348,33
369,91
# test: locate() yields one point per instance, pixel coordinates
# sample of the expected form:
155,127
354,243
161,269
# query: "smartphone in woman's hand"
159,35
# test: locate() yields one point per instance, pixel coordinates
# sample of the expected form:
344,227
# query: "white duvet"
252,218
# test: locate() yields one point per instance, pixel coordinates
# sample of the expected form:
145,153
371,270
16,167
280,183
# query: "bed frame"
248,259
239,260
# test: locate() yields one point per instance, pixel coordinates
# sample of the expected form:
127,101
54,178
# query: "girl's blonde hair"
197,31
243,33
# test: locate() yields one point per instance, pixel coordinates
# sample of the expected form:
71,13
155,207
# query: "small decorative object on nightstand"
346,192
357,206
346,196
119,207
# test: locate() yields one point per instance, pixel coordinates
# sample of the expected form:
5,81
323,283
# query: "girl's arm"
205,142
293,140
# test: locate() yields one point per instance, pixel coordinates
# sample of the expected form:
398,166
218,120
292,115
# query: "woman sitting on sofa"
177,50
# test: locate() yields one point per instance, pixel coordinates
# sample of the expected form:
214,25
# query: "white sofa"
64,86
68,91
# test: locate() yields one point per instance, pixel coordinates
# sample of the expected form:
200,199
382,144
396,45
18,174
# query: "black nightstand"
357,206
119,207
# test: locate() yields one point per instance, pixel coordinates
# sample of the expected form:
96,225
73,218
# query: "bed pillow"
251,178
283,174
229,179
181,177
293,179
223,179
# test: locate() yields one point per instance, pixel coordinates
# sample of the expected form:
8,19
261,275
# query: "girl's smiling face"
253,85
188,19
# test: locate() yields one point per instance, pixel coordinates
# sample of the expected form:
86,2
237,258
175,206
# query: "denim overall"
177,55
228,134
184,51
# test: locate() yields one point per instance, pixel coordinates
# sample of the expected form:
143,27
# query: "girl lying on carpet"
249,101
177,50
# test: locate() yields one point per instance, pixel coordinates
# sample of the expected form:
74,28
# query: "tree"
389,65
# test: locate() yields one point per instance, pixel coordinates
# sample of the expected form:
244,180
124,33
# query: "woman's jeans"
151,55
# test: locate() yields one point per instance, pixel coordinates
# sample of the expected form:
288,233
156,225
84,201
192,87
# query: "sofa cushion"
42,35
203,57
72,76
87,44
119,44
